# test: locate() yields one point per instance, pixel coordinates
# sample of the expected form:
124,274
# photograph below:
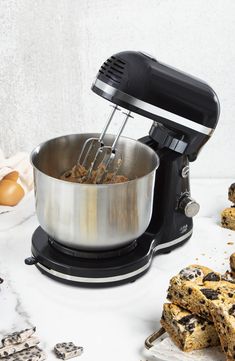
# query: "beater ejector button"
185,171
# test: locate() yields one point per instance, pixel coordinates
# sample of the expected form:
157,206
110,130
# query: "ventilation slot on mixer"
113,69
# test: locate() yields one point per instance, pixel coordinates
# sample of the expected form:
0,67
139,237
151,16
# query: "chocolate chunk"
189,322
169,296
211,277
1,280
231,311
210,294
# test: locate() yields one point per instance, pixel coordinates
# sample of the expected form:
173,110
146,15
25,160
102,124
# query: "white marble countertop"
110,323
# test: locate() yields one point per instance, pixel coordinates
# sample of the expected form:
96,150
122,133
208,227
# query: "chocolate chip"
225,348
190,291
202,302
212,276
231,311
210,294
230,295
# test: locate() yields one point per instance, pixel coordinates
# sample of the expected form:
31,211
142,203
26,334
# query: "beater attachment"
97,157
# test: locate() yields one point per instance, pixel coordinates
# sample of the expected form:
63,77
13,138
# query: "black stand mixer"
185,112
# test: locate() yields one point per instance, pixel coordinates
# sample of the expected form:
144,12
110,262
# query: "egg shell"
10,192
12,176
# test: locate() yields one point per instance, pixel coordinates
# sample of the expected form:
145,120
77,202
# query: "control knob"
189,206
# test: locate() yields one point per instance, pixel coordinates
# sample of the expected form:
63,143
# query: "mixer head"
185,109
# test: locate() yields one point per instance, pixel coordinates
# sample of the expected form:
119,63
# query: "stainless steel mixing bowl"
88,216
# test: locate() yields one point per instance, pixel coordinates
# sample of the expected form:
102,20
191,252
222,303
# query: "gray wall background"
50,51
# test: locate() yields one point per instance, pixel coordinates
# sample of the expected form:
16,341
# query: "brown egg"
10,192
12,176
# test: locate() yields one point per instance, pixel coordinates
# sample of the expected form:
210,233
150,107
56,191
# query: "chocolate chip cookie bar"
223,314
228,218
231,193
67,350
195,287
188,331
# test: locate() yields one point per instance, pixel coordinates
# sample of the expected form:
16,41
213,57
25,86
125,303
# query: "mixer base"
126,266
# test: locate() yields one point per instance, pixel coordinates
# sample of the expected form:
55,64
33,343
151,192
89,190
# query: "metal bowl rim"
92,185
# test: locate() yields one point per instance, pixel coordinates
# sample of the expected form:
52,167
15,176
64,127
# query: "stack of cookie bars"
202,309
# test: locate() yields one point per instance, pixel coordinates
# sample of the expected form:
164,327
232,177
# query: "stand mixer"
185,111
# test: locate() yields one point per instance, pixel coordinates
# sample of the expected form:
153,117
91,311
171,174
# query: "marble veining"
13,315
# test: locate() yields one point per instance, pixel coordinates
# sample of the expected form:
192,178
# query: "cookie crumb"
230,243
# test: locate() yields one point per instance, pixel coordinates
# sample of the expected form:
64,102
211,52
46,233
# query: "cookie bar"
18,337
223,314
31,354
232,264
11,349
67,350
195,287
228,218
231,193
188,331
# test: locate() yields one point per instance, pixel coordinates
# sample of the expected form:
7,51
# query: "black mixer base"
97,269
